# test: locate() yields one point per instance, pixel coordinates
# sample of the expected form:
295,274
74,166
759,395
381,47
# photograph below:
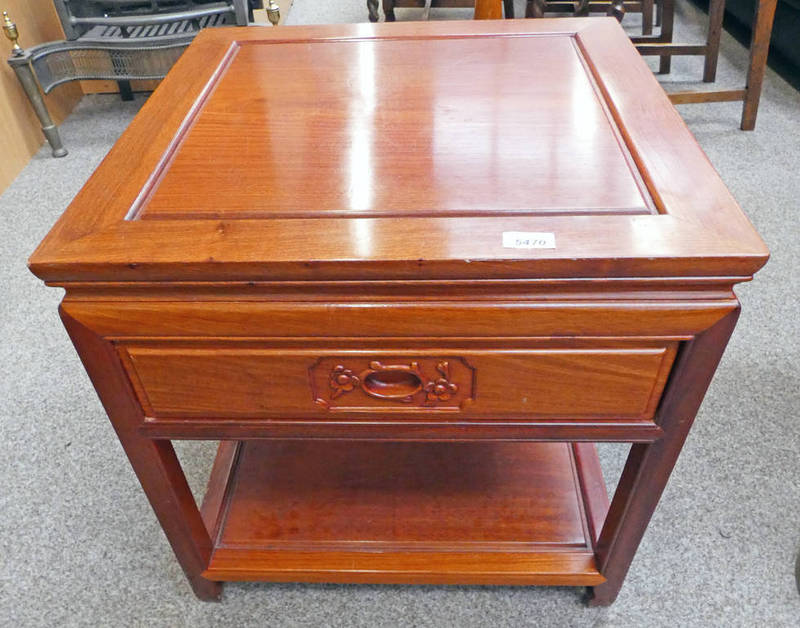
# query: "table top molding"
699,230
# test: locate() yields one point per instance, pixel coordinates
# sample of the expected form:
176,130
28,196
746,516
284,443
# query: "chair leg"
508,9
125,90
759,49
667,25
535,8
616,10
372,7
716,11
647,17
25,75
388,10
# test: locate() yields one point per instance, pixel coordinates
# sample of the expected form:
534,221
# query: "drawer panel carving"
230,380
359,384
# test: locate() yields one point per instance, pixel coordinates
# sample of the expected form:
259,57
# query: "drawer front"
600,380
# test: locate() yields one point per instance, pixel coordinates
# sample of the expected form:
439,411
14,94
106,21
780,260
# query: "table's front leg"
154,461
649,465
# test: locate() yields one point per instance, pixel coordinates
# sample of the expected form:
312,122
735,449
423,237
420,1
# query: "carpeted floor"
79,545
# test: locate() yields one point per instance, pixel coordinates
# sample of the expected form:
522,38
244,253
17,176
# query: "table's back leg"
649,465
154,461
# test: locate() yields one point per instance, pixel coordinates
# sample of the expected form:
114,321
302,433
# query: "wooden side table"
399,305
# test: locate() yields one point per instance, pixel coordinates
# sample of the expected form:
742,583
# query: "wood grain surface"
623,382
413,512
428,199
413,141
308,263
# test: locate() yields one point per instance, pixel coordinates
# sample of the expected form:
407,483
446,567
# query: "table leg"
649,465
716,11
759,48
154,461
372,8
667,27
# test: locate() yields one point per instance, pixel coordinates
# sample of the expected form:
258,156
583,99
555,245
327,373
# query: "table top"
529,148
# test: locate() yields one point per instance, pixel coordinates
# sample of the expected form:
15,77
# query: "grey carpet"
79,545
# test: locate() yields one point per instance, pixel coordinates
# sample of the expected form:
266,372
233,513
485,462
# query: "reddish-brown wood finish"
215,380
445,147
302,256
154,461
649,466
697,228
395,509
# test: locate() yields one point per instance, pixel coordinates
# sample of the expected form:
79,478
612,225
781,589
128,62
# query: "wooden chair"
582,8
484,9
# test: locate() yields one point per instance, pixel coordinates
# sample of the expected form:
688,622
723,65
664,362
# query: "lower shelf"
449,513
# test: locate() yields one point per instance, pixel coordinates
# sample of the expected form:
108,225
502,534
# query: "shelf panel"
519,568
469,513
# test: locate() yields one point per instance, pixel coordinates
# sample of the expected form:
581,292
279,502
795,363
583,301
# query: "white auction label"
528,240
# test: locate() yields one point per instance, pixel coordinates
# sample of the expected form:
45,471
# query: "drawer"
546,379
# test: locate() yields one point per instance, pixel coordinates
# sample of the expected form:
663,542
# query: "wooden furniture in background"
648,44
108,39
583,8
663,46
406,343
759,49
484,9
492,9
21,131
260,17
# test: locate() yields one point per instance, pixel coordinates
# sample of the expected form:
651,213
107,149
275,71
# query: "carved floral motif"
441,389
342,380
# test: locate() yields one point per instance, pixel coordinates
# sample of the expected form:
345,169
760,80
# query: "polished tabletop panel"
476,149
399,127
